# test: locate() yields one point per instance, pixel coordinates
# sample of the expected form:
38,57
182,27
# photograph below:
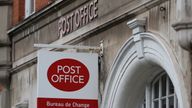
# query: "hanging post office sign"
67,80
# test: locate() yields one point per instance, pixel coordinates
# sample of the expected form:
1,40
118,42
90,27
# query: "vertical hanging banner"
67,80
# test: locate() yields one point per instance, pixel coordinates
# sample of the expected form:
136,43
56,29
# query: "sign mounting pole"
90,48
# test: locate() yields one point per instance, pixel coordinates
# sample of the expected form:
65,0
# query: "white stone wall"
110,27
24,87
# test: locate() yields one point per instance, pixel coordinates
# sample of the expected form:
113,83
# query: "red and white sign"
67,80
68,75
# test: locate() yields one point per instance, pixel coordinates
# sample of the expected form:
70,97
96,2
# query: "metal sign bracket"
98,50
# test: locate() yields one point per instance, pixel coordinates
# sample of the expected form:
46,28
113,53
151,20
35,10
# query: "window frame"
29,9
149,93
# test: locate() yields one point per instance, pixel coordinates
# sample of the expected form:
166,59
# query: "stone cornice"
24,65
39,15
182,25
119,13
5,2
5,65
4,44
137,25
184,35
23,104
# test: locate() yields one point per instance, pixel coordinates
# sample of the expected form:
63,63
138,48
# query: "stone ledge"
5,64
23,66
137,25
5,2
23,104
4,44
184,37
182,25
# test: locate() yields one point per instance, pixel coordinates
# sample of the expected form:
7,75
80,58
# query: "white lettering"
59,68
54,104
68,74
54,78
67,79
79,105
68,69
81,79
78,68
77,18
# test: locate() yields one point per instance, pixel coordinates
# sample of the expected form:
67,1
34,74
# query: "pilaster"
183,24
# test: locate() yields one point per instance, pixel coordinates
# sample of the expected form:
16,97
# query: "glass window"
162,93
29,7
171,87
164,85
163,103
156,90
156,104
171,102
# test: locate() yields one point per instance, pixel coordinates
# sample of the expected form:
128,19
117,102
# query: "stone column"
183,24
5,53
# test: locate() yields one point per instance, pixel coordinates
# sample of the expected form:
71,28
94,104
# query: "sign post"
67,80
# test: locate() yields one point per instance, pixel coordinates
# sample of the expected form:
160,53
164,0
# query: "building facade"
146,60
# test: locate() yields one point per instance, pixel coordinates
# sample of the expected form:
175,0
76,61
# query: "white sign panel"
67,80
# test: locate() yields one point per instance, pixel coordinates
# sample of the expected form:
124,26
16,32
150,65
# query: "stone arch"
140,59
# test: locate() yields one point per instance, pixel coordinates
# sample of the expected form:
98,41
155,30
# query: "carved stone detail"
137,25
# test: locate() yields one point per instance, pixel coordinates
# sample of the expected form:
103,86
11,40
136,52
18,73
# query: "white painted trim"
123,89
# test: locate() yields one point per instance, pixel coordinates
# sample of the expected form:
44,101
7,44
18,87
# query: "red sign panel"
66,103
68,75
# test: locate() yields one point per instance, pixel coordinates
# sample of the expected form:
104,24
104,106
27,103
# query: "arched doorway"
138,62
